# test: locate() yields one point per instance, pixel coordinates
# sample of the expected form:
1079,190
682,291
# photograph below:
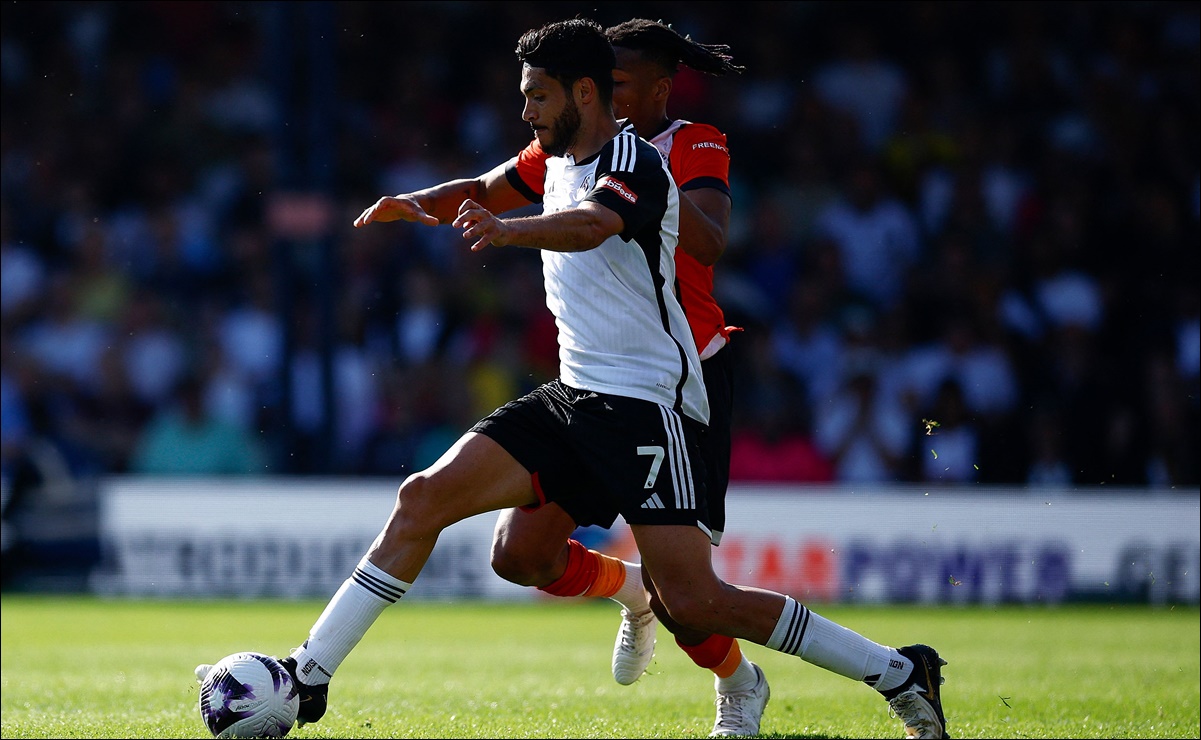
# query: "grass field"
88,668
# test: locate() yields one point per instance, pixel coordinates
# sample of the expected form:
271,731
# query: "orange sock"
610,575
718,653
588,573
731,663
580,574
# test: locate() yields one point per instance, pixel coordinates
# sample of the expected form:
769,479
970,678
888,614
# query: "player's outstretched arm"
402,207
440,203
575,230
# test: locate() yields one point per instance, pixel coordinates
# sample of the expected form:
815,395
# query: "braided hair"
660,43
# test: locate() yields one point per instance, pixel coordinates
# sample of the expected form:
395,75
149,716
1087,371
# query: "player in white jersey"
536,547
617,301
640,456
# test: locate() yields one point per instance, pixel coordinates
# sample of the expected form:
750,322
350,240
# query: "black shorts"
718,371
598,455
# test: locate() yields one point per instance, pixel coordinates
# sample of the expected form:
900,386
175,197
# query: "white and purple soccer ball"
248,695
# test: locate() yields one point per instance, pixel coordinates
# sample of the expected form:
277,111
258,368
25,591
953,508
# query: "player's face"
550,111
637,88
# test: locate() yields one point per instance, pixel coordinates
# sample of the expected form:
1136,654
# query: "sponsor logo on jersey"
620,188
711,145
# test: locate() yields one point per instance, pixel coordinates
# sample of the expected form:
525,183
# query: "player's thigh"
537,533
476,475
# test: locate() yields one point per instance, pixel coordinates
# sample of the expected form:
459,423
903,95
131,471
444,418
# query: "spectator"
948,450
108,417
354,384
983,375
102,292
1048,468
777,446
865,86
1173,431
22,274
865,433
64,343
186,439
154,353
1043,185
775,262
876,234
250,333
806,341
423,320
14,422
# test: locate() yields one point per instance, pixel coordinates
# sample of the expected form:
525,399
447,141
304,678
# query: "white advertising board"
279,537
302,537
964,545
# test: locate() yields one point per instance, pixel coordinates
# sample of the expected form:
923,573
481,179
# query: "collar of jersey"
625,126
669,131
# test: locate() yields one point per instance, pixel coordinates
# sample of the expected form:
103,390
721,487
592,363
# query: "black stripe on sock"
792,638
388,593
800,638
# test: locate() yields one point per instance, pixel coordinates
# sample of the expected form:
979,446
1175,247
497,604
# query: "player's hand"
479,224
395,208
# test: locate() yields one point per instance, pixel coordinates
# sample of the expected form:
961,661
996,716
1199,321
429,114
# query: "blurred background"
972,223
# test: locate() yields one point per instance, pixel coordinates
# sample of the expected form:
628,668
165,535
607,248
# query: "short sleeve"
700,158
637,193
527,172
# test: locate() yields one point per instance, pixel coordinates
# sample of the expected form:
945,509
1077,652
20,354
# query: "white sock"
632,594
347,617
821,642
743,678
899,669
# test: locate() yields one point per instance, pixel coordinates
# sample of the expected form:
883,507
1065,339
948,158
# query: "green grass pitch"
79,667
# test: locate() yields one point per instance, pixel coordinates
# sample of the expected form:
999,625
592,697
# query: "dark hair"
569,50
663,45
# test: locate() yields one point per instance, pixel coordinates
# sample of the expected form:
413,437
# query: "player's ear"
662,88
584,89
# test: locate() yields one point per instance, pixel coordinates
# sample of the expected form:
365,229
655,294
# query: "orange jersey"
697,156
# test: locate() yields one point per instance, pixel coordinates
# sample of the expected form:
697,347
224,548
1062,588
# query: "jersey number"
657,453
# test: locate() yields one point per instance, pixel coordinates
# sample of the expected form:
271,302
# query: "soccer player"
534,547
616,433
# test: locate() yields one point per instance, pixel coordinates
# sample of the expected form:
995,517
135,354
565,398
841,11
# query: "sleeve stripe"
697,183
624,153
514,178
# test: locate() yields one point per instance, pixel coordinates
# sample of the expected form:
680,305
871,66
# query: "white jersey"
621,328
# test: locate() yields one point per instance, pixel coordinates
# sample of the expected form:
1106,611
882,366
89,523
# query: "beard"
564,130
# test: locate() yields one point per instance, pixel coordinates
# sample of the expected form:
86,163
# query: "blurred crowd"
964,246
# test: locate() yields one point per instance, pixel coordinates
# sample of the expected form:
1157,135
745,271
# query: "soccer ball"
248,695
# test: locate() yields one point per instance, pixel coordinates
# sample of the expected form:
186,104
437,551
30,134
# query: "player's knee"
690,608
512,563
523,562
665,617
417,514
